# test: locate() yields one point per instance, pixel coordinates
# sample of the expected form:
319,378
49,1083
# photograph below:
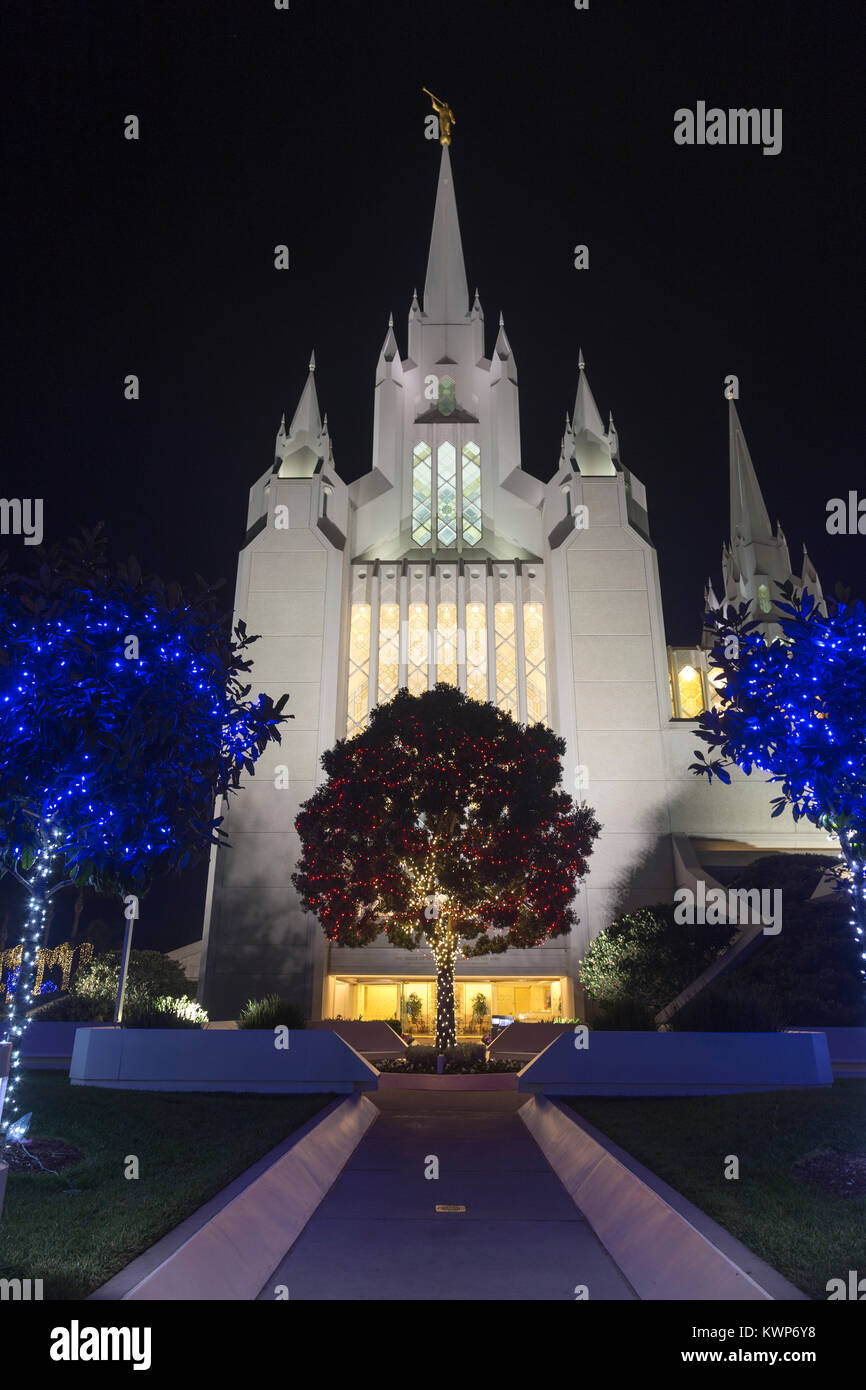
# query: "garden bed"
76,1230
786,1205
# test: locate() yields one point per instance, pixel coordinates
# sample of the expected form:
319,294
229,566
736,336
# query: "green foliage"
440,775
641,961
74,1008
394,1023
163,1011
93,994
271,1012
414,1007
149,971
463,1059
479,1006
807,976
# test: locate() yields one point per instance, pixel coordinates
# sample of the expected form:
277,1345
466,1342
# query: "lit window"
471,494
446,643
691,693
536,678
359,668
506,657
476,651
446,494
422,495
389,650
418,649
764,598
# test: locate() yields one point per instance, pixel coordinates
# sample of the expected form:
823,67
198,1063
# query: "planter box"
847,1047
524,1041
373,1039
172,1059
429,1081
49,1045
679,1064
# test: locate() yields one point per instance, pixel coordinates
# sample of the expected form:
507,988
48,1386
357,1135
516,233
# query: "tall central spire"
446,291
750,519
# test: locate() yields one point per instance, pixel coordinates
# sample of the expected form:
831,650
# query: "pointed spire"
750,519
415,310
389,347
580,362
307,417
503,347
809,577
446,292
613,437
711,603
586,415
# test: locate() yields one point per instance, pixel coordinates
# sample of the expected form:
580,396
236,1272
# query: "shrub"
74,1008
163,1011
463,1059
271,1012
150,971
395,1024
644,958
808,975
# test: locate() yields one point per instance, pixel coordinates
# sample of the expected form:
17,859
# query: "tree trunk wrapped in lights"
442,824
123,715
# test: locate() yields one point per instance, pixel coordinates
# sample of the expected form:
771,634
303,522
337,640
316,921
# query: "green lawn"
806,1235
189,1146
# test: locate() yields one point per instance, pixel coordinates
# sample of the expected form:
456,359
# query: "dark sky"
261,126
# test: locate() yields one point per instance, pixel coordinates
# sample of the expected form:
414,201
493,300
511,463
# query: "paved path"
377,1236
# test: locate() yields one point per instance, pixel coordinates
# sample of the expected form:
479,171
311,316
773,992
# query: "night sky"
306,127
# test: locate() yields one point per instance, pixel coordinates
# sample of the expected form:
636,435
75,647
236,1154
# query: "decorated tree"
122,716
443,825
795,708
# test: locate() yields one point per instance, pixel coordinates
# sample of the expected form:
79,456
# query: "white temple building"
446,561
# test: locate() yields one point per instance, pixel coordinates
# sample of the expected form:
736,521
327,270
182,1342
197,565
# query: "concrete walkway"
378,1237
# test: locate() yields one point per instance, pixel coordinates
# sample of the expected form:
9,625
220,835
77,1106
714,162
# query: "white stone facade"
447,561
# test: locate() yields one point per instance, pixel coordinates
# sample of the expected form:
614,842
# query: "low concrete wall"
678,1064
49,1045
847,1047
666,1247
179,1059
525,1040
371,1039
230,1247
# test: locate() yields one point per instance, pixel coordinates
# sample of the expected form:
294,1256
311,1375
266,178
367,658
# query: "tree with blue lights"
795,708
123,715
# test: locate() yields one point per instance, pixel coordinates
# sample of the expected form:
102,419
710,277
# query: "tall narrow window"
418,646
422,495
476,651
471,494
389,650
446,494
359,668
536,678
506,657
446,643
